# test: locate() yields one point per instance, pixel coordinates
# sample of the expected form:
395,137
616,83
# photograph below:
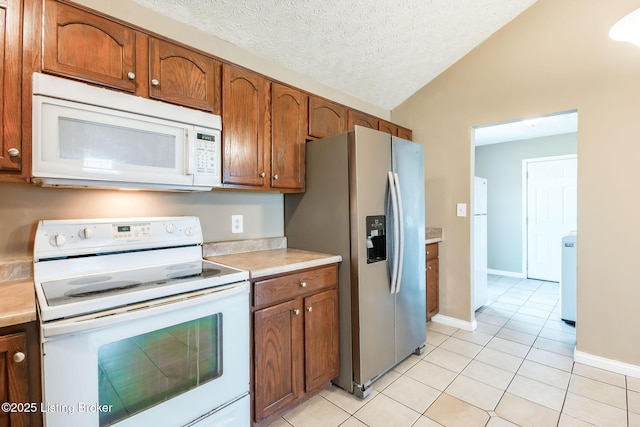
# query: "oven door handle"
141,310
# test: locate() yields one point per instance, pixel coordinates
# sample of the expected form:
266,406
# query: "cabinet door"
289,131
405,133
245,127
432,288
10,49
326,118
390,128
361,119
88,47
277,357
321,338
182,76
14,385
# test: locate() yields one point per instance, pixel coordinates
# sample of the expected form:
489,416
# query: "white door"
551,213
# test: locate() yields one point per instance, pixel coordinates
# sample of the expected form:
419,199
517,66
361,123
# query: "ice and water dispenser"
376,239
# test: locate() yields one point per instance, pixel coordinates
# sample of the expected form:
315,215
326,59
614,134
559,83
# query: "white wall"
501,164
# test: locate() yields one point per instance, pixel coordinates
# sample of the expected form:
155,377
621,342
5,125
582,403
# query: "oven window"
142,371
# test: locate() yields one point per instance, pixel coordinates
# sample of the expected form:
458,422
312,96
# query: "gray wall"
501,164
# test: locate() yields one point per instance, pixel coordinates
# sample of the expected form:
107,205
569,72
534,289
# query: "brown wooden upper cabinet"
246,128
326,118
390,128
405,133
289,116
10,71
394,130
95,49
183,76
88,47
361,119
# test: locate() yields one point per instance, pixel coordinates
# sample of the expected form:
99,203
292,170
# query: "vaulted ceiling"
379,51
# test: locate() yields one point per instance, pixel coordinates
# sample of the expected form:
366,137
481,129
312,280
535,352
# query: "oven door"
172,364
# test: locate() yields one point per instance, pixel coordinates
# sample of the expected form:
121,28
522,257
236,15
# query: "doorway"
500,153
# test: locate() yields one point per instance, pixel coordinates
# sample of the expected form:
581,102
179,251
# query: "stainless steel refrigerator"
365,200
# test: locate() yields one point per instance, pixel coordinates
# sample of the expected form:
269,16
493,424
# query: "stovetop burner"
75,289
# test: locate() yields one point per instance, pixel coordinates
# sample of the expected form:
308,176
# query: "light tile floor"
515,369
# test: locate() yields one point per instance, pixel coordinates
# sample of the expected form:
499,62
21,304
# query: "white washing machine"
568,278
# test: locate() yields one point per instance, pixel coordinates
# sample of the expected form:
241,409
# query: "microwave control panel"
207,148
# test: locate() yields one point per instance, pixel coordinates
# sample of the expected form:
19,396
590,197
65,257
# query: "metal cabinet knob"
13,152
18,357
303,284
309,309
429,268
262,175
275,176
155,82
427,252
131,75
296,311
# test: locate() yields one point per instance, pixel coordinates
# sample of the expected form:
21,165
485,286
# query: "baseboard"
506,273
456,323
608,364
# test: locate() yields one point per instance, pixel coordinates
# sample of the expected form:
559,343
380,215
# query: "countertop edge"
433,240
294,266
21,301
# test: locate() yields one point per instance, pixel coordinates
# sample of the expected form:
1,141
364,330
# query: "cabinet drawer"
289,286
432,251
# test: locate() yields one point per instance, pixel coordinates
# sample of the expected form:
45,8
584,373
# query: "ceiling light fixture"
532,122
627,29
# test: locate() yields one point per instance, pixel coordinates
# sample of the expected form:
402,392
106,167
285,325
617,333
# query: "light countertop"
17,302
275,261
433,235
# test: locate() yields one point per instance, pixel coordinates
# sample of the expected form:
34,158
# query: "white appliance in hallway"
479,242
568,282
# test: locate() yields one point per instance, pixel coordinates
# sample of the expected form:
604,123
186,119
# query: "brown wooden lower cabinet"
432,280
20,376
295,341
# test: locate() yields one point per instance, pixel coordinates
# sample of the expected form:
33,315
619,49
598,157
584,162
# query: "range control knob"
58,240
188,231
86,233
170,228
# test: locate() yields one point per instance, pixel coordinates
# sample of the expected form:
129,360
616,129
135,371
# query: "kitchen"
505,74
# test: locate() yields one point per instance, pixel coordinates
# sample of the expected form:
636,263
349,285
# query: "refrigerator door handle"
401,227
396,232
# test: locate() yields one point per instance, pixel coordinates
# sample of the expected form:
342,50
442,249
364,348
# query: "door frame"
525,210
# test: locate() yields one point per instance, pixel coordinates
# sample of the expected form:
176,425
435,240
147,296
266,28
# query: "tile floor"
515,369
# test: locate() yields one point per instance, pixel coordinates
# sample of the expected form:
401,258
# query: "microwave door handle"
189,152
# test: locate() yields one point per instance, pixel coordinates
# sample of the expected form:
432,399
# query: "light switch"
461,209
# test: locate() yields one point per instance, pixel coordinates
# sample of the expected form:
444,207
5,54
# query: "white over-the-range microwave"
86,136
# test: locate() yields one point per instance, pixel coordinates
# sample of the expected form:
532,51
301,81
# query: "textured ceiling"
379,51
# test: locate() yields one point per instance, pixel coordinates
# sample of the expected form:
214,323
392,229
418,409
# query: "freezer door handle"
401,228
396,233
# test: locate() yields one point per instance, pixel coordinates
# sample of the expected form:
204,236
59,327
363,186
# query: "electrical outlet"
461,209
236,224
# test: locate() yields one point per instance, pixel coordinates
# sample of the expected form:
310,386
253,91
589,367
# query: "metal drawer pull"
309,309
303,284
18,357
296,311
